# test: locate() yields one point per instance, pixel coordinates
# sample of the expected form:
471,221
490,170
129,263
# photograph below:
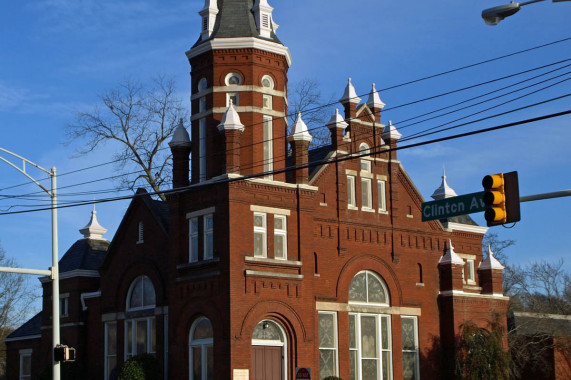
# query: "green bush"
141,367
332,378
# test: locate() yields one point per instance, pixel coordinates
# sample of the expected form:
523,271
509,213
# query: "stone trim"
393,310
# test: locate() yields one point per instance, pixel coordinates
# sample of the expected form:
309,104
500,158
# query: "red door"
267,363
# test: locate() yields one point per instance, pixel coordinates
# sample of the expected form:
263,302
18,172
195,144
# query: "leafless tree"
16,298
140,118
305,97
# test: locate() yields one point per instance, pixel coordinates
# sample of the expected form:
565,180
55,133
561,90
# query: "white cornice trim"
460,293
240,43
466,228
27,337
88,295
71,274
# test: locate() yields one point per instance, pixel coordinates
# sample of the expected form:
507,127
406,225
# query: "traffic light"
64,353
501,197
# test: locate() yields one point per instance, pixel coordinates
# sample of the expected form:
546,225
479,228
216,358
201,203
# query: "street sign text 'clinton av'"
453,206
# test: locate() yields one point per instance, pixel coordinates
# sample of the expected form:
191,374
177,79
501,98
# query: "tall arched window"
369,333
140,330
201,345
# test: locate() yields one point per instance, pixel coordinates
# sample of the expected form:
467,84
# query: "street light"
493,16
53,272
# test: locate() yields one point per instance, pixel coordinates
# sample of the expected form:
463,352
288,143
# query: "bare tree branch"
139,118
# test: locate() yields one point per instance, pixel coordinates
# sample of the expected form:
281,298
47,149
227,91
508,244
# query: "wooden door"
267,363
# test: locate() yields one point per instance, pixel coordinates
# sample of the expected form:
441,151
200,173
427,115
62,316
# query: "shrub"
332,378
141,367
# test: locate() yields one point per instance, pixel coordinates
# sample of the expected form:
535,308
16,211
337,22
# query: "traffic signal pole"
537,197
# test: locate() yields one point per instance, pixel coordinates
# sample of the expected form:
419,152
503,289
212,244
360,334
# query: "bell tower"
238,62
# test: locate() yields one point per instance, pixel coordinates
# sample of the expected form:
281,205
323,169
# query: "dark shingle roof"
236,19
162,212
84,254
462,219
543,324
30,328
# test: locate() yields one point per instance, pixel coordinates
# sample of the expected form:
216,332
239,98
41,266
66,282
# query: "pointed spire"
93,229
349,96
337,121
374,100
299,130
443,191
391,132
180,136
490,262
230,119
451,257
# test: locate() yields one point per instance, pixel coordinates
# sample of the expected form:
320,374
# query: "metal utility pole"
54,271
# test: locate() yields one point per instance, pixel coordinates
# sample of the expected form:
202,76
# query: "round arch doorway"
269,351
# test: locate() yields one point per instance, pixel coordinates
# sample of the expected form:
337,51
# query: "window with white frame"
201,350
471,276
110,349
202,104
140,332
369,333
208,237
202,84
64,305
328,357
267,102
268,146
351,202
267,82
260,234
25,364
366,193
409,326
233,79
202,220
233,97
382,200
202,149
280,237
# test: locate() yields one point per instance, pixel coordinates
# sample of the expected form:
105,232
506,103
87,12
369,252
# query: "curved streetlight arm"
54,270
493,16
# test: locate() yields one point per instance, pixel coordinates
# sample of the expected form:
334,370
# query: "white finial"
443,191
391,132
336,121
93,229
230,119
299,131
451,257
374,100
491,262
350,95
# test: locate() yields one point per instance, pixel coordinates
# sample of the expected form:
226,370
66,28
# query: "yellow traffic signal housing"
501,197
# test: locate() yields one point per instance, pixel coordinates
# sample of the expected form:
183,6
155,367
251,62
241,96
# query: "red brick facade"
281,252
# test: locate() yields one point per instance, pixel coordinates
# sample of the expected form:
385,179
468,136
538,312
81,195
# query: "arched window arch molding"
146,297
201,349
368,287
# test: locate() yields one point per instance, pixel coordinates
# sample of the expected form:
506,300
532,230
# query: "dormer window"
208,16
204,23
233,79
265,20
202,84
141,231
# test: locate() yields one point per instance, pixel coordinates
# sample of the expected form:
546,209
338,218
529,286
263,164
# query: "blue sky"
58,55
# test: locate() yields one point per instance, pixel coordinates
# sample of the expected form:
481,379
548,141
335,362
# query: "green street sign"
453,206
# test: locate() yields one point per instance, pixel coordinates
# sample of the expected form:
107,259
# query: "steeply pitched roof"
30,328
84,254
542,324
236,19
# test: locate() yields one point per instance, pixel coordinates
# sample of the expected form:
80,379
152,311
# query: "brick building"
273,256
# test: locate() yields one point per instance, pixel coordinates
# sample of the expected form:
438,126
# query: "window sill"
268,261
198,264
383,212
351,207
367,209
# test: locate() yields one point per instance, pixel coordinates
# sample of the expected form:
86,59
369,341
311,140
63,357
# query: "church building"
270,256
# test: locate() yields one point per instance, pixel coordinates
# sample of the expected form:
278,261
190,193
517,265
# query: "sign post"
453,206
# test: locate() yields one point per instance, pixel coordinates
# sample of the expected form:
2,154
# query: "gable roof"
31,328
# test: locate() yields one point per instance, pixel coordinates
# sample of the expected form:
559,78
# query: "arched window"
202,84
368,287
141,294
267,82
269,350
370,332
140,327
233,79
201,345
364,148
